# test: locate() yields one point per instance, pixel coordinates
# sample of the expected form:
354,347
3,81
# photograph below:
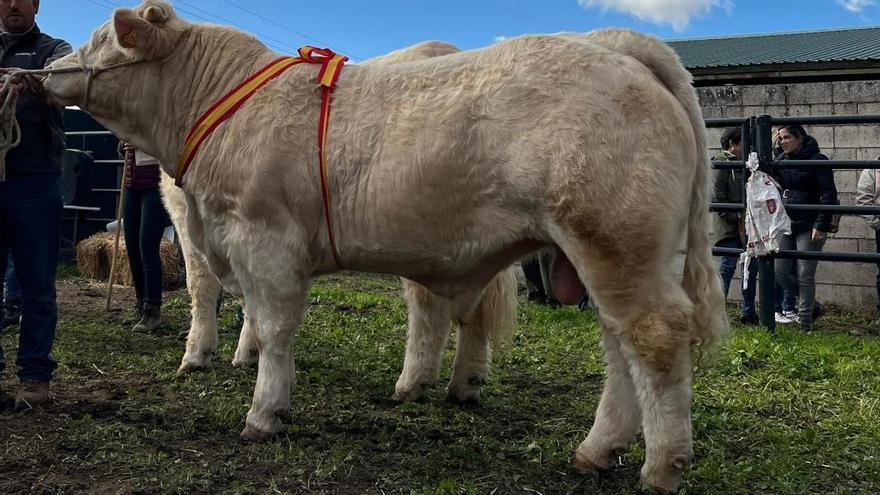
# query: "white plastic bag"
765,218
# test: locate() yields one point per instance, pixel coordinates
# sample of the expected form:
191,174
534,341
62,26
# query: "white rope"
10,134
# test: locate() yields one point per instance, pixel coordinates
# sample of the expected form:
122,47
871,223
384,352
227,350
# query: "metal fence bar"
827,120
805,164
840,209
734,122
88,133
809,255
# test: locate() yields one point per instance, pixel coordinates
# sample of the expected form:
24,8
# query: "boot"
151,319
138,313
31,394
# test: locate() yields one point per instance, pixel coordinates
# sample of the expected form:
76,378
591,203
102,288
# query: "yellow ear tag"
130,40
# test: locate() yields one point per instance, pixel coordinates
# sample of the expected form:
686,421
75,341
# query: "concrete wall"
847,284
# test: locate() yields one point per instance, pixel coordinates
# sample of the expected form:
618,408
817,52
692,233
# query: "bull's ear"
133,31
155,14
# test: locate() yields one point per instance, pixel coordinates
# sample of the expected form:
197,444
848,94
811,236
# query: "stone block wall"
846,284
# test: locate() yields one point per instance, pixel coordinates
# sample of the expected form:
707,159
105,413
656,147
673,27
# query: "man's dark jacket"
42,129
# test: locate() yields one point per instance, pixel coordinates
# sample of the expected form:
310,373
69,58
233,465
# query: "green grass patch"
784,413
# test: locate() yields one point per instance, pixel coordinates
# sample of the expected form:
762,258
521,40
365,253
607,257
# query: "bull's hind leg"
650,315
427,334
617,417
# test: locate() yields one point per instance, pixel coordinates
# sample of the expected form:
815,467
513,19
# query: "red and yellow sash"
331,66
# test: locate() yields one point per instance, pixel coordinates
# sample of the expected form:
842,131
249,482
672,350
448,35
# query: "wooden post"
119,210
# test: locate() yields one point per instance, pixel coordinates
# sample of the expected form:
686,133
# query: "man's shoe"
31,394
783,319
749,320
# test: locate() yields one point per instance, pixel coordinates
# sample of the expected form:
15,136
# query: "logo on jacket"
771,206
24,54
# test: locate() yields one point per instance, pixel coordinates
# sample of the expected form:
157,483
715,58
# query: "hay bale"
94,256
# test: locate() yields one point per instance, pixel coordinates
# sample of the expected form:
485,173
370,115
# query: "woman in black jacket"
809,230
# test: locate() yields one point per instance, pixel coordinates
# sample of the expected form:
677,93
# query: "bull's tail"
701,281
498,310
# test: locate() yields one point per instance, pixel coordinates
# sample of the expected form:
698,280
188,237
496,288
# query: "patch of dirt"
78,299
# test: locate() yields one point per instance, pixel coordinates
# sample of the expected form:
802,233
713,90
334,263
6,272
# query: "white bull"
442,171
490,320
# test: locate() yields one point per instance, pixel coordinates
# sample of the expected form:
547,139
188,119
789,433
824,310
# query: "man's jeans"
728,268
30,218
803,285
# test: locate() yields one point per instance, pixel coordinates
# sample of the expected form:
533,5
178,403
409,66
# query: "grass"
787,413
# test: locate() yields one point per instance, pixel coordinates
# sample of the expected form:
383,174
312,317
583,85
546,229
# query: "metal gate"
756,137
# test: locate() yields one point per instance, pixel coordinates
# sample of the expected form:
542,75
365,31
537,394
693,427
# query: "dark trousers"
144,221
30,222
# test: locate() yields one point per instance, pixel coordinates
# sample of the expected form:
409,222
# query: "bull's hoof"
246,359
192,364
252,434
651,489
243,364
466,392
586,466
665,479
410,393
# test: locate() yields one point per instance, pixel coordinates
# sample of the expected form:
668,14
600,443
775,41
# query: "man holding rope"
30,196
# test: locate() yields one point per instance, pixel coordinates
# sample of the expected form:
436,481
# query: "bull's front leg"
279,313
204,289
427,333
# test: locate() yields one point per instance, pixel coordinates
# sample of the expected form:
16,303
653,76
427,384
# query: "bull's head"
142,37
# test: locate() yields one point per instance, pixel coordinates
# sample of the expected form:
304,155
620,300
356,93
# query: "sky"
362,29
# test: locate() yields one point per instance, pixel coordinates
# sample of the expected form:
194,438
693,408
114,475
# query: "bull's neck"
200,76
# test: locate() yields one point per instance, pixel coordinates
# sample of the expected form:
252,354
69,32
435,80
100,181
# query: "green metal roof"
842,45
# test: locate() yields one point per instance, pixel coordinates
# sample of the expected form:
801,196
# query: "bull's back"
445,159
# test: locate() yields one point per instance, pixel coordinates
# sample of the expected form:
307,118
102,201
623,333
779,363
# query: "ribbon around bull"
331,66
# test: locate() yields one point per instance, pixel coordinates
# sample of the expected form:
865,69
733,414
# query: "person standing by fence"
868,196
809,230
144,220
728,226
30,197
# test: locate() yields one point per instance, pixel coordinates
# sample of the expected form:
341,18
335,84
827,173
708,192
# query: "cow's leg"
655,327
658,351
278,313
246,354
204,289
427,334
470,370
617,417
640,295
490,321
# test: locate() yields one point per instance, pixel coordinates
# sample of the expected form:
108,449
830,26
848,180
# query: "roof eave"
786,73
